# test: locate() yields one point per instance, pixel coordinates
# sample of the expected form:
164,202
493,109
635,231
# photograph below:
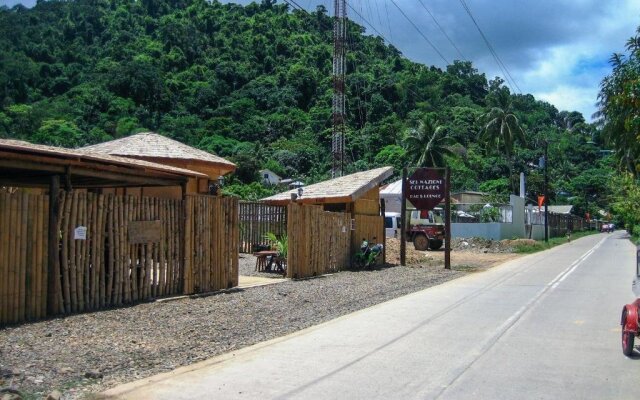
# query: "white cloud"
566,97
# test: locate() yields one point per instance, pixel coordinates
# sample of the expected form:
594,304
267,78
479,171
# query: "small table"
261,259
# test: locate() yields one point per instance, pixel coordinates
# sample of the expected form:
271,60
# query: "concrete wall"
495,230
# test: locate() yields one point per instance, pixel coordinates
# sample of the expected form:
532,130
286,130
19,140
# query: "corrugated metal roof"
337,190
392,189
560,209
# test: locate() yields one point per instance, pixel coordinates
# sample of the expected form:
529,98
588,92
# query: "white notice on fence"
344,229
80,233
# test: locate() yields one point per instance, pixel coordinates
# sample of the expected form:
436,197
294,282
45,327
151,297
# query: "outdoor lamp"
300,192
221,180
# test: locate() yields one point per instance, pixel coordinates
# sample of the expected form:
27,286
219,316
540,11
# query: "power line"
420,32
368,23
442,30
501,65
295,5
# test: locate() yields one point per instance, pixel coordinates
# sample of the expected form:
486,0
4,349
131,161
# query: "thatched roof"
345,189
153,145
23,162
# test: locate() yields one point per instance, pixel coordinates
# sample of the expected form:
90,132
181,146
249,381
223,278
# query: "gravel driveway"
90,352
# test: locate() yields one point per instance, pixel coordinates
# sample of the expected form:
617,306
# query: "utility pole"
546,195
339,100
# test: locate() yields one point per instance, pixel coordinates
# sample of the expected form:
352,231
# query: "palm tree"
428,143
501,127
618,104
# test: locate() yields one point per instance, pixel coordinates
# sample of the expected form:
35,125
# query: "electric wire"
501,65
420,32
442,30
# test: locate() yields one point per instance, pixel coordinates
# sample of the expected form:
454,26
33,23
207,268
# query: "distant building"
469,197
269,177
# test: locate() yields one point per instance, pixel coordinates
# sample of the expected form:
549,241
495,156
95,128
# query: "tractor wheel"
420,242
627,337
627,343
435,244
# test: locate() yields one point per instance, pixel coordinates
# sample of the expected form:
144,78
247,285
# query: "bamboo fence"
212,239
318,241
256,219
23,257
108,266
369,227
112,250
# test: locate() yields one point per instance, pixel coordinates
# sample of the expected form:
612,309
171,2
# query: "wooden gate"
212,240
256,219
319,241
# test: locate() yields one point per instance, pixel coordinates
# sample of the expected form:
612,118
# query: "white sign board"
80,233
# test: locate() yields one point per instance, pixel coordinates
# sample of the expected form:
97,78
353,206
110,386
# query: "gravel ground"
88,353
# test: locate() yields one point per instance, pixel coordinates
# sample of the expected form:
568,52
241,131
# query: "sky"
556,50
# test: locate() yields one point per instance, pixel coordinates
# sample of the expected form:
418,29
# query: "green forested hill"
253,84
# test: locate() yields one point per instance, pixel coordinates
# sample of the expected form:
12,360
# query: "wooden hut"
159,149
356,194
68,244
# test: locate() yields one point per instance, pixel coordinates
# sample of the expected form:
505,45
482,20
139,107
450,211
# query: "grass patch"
540,245
465,268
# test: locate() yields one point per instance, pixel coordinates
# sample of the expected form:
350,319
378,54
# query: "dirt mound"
481,245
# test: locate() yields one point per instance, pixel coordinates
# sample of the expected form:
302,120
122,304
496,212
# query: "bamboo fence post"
121,251
4,256
42,256
109,293
33,276
154,258
169,245
188,245
129,262
129,216
72,252
123,259
113,221
88,214
93,253
80,251
148,279
14,291
22,265
161,256
100,266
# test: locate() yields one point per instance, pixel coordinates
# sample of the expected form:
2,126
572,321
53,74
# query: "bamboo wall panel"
23,257
212,240
368,227
319,241
106,267
256,219
103,261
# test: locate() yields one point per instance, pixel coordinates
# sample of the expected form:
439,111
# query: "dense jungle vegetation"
253,84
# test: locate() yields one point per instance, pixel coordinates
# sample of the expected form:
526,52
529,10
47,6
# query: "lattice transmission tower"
339,100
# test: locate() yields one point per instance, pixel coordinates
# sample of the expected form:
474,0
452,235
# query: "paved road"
545,326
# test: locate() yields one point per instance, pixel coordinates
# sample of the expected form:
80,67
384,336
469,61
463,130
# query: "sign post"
403,220
447,221
425,189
